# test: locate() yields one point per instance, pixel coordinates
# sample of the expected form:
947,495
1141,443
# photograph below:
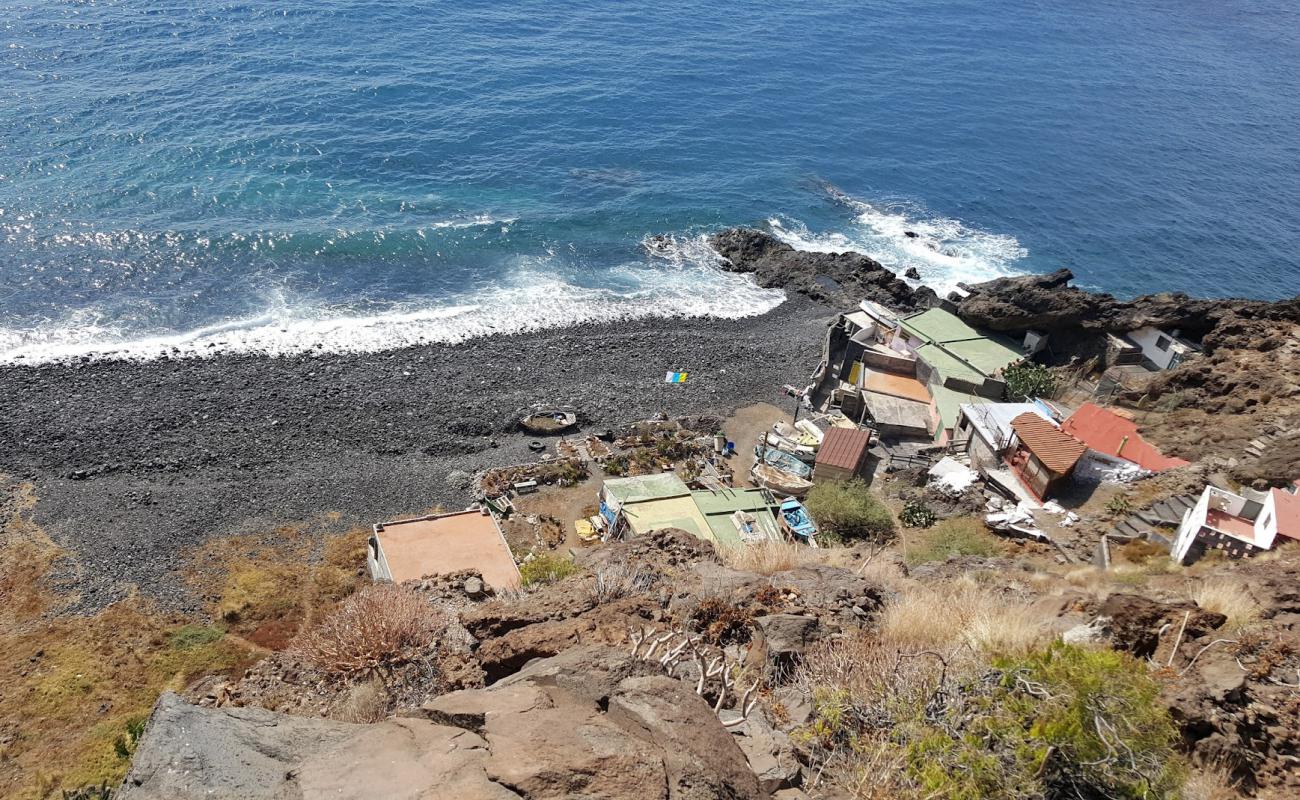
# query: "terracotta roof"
1057,450
844,448
1288,511
1109,433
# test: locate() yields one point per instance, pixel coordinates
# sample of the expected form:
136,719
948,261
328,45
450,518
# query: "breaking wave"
903,236
679,278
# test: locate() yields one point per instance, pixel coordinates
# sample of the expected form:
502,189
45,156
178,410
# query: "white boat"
809,427
785,445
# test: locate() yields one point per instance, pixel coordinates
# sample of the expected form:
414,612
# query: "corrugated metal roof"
843,448
1058,451
993,420
1109,433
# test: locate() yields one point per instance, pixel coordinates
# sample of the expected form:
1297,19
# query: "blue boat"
794,517
783,461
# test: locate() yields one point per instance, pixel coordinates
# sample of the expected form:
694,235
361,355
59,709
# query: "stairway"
1257,447
1149,522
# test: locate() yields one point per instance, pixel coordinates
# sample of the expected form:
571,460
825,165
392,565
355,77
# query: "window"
1266,521
1162,342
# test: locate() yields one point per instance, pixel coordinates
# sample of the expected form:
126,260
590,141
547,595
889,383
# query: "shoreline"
137,463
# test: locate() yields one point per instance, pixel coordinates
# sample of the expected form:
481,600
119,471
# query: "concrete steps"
1153,524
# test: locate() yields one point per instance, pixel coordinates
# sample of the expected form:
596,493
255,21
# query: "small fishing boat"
797,435
811,429
782,461
547,423
795,520
782,483
785,445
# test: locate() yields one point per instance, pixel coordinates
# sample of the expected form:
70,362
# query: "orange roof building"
1043,455
1114,436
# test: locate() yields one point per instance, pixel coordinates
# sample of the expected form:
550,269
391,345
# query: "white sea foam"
944,251
681,281
476,221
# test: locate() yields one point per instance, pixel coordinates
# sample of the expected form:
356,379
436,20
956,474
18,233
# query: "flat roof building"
440,544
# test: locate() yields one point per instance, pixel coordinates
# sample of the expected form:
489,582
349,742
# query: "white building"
1165,350
986,429
1237,524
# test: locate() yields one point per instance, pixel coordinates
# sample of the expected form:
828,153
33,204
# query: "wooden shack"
843,455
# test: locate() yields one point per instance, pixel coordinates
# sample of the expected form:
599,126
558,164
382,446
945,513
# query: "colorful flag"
674,377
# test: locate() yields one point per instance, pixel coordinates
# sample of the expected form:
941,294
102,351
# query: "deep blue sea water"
366,174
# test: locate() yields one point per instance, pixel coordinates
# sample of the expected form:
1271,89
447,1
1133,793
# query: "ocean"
190,178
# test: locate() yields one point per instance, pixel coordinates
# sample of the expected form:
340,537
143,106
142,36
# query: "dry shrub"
363,702
374,630
721,622
765,558
1230,598
882,571
1210,783
616,581
961,613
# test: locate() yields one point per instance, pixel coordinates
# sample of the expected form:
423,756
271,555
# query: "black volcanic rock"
1048,303
839,278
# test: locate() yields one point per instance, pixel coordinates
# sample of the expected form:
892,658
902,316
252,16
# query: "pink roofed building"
1237,524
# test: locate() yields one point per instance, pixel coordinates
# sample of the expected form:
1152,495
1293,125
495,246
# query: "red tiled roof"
1288,512
843,448
1109,433
1058,451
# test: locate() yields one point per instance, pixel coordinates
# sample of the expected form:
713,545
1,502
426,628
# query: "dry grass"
1230,598
374,630
883,571
964,612
364,702
618,580
1209,783
765,558
73,684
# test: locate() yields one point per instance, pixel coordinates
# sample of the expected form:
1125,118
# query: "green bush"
1062,722
960,536
916,514
848,510
1028,380
545,568
1119,506
188,637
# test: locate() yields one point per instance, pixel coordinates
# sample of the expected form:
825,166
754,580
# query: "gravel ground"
137,463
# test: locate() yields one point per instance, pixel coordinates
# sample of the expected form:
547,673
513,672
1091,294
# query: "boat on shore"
782,483
779,459
548,423
796,521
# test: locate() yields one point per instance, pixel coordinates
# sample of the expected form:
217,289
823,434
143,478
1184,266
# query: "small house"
1238,525
983,430
440,544
1113,440
843,455
1041,455
738,516
645,503
1164,350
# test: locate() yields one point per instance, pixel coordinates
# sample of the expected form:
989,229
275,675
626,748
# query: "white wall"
1193,521
1266,523
1146,338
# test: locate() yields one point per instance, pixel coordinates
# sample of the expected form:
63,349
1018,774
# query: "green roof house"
959,364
